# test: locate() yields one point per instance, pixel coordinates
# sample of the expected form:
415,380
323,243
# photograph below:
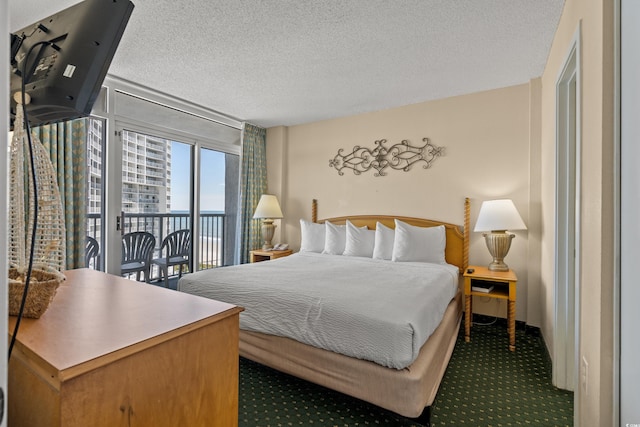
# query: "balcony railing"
211,239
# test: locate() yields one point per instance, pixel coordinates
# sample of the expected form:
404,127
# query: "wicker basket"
42,289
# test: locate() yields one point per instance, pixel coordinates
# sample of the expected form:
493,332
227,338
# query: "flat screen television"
64,74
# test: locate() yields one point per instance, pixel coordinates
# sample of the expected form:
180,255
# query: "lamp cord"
27,280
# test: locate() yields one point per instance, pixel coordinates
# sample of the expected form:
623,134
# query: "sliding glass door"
157,186
217,208
155,204
157,150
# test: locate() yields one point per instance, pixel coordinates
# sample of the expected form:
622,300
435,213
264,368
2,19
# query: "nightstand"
260,255
504,287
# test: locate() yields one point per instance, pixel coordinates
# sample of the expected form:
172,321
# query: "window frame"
106,108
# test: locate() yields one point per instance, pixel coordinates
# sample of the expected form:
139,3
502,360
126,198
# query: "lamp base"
498,266
268,229
498,243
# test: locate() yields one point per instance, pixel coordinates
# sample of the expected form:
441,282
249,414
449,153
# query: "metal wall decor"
401,156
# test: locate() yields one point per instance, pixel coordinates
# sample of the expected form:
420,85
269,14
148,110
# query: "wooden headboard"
456,250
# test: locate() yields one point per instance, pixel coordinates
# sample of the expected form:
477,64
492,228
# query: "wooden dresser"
113,352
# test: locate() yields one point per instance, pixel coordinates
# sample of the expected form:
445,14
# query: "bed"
323,334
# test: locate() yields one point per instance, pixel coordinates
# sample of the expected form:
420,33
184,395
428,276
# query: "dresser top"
96,318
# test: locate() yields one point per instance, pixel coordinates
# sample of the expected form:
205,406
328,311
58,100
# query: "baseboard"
547,355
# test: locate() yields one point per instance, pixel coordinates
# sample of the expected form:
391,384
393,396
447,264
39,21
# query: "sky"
212,174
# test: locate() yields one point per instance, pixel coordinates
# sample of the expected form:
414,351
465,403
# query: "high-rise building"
146,174
95,131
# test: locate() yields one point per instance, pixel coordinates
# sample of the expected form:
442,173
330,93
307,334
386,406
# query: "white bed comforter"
370,309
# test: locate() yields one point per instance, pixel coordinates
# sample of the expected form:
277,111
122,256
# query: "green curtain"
253,183
66,144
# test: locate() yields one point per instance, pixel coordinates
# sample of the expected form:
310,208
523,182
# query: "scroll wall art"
400,156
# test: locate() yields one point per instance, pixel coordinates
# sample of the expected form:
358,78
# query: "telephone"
281,247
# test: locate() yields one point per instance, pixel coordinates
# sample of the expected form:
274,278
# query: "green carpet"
485,385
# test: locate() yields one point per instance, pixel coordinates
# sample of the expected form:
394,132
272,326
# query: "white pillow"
335,237
312,236
423,244
383,247
360,241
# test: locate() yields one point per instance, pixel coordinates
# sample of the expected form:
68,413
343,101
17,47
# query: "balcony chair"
92,252
137,251
176,248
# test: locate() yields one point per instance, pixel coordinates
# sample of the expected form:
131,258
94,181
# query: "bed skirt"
405,391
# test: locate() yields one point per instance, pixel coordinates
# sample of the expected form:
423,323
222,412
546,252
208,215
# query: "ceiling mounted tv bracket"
401,156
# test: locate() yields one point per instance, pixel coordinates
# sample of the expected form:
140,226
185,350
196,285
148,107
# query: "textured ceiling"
286,62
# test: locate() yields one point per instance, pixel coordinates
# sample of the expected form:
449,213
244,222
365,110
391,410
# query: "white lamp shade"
268,207
499,215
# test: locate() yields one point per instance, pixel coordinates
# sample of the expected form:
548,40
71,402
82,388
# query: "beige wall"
596,285
486,138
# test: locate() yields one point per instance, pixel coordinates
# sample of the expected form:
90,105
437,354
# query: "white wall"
630,212
4,129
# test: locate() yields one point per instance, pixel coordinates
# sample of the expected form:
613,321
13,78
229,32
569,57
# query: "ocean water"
210,226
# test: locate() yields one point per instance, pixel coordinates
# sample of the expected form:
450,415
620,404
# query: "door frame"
626,291
568,219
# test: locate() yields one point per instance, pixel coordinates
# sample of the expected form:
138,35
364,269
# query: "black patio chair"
175,250
137,251
92,253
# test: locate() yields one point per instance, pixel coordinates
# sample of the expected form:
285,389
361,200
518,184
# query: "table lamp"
268,209
496,217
